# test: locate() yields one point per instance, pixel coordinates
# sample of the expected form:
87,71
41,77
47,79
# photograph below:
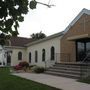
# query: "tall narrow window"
52,53
43,55
19,55
8,59
30,57
36,56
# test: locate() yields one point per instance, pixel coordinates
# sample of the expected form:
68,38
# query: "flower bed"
22,66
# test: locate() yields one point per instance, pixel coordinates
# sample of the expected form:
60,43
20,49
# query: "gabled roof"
84,11
22,42
47,38
19,41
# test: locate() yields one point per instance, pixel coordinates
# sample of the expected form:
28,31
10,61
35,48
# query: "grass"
10,82
85,80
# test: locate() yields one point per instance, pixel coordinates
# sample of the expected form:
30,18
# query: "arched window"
43,54
52,53
36,56
30,57
19,55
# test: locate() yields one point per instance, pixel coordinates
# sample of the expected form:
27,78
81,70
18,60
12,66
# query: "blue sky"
51,20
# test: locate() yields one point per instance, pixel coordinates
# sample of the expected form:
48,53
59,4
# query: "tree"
37,36
12,12
34,3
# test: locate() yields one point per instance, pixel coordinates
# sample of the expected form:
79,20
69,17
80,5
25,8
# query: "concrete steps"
68,70
61,74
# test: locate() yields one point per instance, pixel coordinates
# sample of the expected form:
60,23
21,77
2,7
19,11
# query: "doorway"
82,49
8,60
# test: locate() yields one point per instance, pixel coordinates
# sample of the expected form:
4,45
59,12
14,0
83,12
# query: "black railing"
62,57
59,57
85,66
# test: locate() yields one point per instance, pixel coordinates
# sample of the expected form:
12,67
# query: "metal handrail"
62,57
48,61
81,75
86,57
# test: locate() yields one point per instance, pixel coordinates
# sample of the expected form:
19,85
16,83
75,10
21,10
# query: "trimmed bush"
24,64
38,69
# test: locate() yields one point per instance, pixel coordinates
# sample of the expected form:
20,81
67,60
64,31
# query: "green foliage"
37,36
24,64
4,70
3,38
33,4
11,13
38,69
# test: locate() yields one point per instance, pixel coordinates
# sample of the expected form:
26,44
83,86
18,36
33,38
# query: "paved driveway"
55,81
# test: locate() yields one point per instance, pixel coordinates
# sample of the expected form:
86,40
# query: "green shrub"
38,69
24,64
31,66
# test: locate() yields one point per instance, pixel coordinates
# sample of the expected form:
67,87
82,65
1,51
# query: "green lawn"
10,82
85,80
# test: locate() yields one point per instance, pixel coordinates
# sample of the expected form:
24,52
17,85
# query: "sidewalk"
55,81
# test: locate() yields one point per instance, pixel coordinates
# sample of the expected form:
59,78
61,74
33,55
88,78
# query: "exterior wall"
14,56
81,27
2,56
1,53
44,45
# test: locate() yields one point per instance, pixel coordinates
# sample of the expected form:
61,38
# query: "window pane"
19,55
88,46
80,51
30,57
52,53
36,56
43,55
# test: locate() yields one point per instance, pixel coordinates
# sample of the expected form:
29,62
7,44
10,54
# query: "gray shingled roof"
19,41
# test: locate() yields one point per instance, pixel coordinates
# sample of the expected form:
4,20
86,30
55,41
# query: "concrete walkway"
55,81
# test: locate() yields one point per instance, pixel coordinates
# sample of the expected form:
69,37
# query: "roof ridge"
21,37
83,11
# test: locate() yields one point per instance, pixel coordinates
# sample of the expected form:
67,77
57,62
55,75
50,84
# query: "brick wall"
81,27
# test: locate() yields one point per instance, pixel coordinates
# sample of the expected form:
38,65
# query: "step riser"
68,66
74,64
64,75
68,70
71,72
